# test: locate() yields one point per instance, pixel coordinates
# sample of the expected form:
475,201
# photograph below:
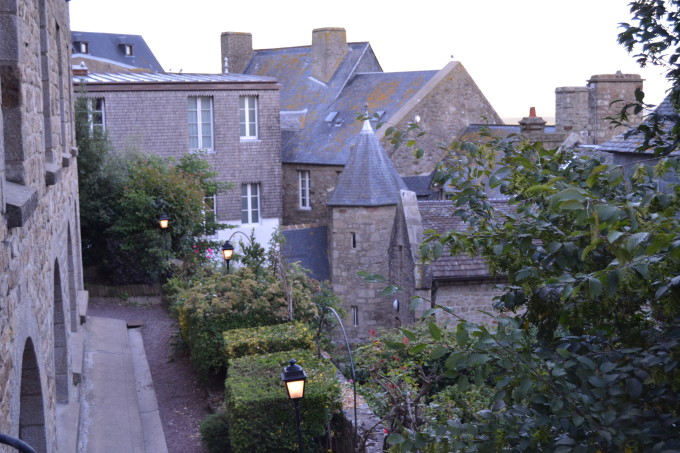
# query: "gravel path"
182,401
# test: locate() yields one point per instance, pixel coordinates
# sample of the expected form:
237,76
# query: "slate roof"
620,144
369,177
108,46
420,184
166,77
438,216
358,81
307,246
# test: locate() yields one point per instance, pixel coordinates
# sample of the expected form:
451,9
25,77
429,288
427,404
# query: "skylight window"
331,117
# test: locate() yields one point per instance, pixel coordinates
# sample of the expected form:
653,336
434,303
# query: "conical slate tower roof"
369,177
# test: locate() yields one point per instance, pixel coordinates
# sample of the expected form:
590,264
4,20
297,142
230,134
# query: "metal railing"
19,444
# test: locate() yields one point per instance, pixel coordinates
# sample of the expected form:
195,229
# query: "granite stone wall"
41,288
359,239
322,179
466,299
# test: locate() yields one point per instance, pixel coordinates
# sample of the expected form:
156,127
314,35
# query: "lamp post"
164,222
228,248
294,377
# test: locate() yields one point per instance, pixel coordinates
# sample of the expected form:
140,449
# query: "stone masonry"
359,239
42,300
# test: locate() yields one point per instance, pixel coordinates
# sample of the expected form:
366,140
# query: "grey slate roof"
438,216
108,46
621,144
307,246
420,184
166,77
358,81
369,177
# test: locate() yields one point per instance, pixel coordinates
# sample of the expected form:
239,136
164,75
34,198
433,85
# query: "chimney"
80,70
237,50
532,124
603,90
329,46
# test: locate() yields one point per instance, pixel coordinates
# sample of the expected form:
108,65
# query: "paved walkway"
120,412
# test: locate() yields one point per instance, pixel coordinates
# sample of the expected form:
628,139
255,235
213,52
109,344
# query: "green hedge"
220,302
262,419
267,339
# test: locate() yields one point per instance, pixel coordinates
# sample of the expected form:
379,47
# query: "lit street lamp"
294,377
163,221
227,253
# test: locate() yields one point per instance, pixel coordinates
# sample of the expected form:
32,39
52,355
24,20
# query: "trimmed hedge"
262,419
267,339
223,302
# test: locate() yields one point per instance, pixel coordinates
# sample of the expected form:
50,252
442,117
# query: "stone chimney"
602,91
532,124
237,50
329,46
571,109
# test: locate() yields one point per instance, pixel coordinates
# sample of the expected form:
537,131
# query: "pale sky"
517,51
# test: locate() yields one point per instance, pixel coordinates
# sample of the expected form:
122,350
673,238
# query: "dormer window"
127,50
81,47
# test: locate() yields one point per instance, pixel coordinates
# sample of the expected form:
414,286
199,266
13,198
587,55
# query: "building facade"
232,120
42,301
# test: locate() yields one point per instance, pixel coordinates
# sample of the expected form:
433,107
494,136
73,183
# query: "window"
247,114
200,123
92,111
209,211
353,239
250,203
81,47
355,315
305,202
127,49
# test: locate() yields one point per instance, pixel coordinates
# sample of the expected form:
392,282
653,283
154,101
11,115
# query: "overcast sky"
517,51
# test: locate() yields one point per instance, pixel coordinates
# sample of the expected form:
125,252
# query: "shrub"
261,418
220,302
267,339
215,433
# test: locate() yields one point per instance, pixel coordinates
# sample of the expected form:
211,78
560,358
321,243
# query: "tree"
655,35
122,197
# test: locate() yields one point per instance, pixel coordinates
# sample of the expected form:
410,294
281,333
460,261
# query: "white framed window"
200,118
250,203
95,115
247,117
81,47
127,49
355,315
303,189
209,210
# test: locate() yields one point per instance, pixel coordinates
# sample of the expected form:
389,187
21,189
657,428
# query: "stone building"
582,114
362,208
231,119
42,301
326,85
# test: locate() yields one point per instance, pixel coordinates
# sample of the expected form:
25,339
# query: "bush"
267,339
215,433
261,418
220,302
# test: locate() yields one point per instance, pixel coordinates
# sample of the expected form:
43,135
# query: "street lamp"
227,253
163,221
228,248
294,377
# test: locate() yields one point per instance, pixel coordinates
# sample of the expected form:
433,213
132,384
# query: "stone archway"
60,338
31,409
